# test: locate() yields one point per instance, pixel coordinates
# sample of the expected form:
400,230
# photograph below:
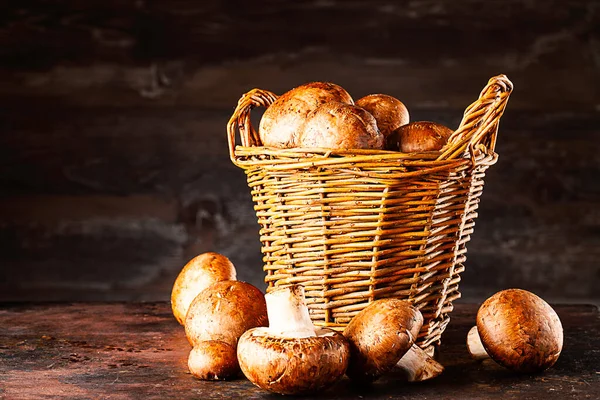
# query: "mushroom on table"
382,337
518,330
292,356
198,274
213,360
216,319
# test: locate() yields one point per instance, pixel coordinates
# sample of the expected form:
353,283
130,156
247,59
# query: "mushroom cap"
213,360
389,112
379,335
198,274
225,310
419,136
293,365
336,125
282,120
520,331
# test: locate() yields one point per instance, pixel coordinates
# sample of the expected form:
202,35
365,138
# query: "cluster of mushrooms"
324,115
271,339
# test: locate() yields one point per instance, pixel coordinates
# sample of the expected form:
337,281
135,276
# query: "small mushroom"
382,337
518,330
198,274
213,360
291,356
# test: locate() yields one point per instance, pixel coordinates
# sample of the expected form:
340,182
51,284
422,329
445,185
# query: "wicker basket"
355,226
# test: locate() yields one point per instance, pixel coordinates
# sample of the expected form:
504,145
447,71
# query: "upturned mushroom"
198,274
217,317
518,330
292,356
382,337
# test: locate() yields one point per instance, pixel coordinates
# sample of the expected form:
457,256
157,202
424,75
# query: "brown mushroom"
518,330
335,125
389,112
198,274
382,338
281,122
213,360
419,137
223,311
291,356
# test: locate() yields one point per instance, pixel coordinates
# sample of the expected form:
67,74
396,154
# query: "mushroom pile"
292,356
324,115
233,327
216,310
226,322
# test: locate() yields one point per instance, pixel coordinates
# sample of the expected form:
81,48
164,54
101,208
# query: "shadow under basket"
354,226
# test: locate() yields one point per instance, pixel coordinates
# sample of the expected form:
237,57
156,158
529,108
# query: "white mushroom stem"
288,313
475,345
418,366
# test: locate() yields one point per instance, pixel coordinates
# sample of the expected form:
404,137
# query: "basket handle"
241,119
479,126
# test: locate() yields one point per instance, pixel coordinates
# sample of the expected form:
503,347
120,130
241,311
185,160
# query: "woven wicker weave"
355,226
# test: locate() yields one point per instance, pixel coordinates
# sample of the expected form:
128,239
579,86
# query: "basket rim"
276,159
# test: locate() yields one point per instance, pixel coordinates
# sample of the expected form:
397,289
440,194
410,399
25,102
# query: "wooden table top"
133,351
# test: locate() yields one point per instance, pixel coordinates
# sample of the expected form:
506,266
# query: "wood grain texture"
125,351
184,53
113,159
146,190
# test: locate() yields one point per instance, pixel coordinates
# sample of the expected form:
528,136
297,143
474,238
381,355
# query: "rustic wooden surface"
132,351
113,162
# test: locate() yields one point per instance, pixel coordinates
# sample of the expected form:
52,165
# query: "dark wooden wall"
114,167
